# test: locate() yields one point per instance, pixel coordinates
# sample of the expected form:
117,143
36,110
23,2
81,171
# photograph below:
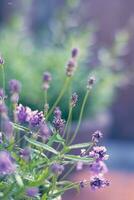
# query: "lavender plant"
35,151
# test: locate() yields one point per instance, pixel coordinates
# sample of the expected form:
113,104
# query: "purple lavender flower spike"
46,80
98,168
91,82
36,118
74,99
1,61
22,113
25,153
3,108
57,168
75,52
14,86
71,66
96,136
7,165
44,131
97,182
58,122
57,112
32,191
7,128
99,153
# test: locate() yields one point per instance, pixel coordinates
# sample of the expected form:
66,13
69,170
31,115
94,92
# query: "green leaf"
19,127
41,145
78,158
19,180
55,138
82,145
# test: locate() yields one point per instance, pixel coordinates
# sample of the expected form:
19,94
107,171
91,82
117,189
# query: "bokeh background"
38,35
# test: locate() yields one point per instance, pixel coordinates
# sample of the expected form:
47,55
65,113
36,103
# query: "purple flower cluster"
72,64
25,114
7,128
25,153
56,168
7,165
15,88
44,131
32,191
58,122
98,168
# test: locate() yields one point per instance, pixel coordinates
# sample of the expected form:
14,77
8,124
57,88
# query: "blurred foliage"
26,58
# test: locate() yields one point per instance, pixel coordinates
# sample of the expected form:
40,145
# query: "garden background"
37,35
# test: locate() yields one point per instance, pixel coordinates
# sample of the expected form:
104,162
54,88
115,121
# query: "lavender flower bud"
22,113
32,192
1,61
58,122
74,99
14,86
79,166
36,118
7,128
3,108
75,52
97,182
25,154
71,67
46,80
99,153
57,168
44,131
7,165
96,136
91,81
98,168
82,183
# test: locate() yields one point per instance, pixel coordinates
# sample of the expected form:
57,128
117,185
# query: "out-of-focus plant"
35,150
27,63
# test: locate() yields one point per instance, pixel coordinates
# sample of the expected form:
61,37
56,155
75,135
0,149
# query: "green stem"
80,117
68,172
59,97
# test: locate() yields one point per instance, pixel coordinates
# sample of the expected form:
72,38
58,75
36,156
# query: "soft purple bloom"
1,61
44,131
71,66
7,165
7,128
57,168
23,113
98,168
96,136
3,108
2,93
79,165
97,182
36,118
75,52
32,191
46,80
99,153
25,153
14,86
74,99
58,122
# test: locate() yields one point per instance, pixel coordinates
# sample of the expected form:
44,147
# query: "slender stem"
80,117
59,97
68,172
69,129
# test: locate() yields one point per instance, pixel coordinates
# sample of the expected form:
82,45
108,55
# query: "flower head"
98,168
7,165
74,99
36,118
23,113
25,153
96,136
7,128
1,61
99,153
75,52
46,80
97,182
57,168
32,191
14,86
90,83
3,108
58,122
44,131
